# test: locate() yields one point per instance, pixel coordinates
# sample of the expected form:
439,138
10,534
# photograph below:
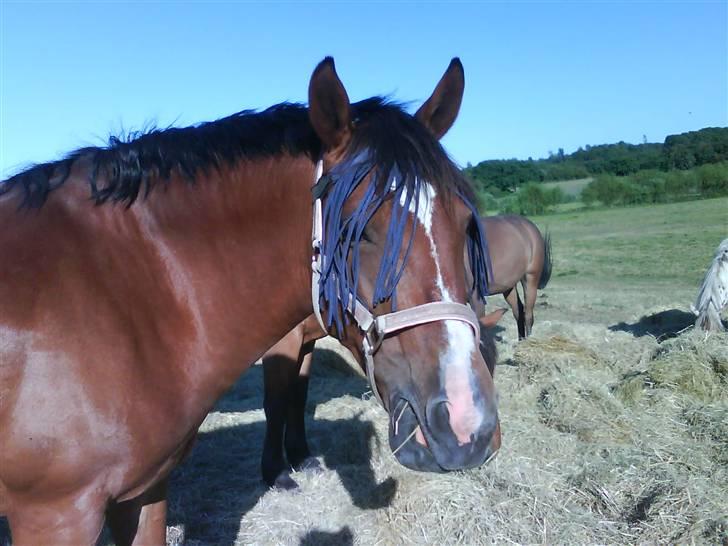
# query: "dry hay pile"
607,438
646,441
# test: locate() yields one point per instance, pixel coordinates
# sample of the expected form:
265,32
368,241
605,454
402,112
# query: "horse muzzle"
428,444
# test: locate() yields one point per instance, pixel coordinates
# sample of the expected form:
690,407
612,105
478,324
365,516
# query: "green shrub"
487,203
713,179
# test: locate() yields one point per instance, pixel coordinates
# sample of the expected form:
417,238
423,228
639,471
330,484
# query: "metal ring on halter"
374,337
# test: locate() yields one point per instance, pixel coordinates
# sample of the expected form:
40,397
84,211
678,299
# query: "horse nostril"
491,425
439,415
446,418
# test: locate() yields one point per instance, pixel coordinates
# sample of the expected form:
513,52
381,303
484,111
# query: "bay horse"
519,254
139,280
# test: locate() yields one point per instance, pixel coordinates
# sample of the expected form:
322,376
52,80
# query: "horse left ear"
438,113
328,106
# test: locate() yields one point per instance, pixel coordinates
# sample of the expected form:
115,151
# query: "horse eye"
365,236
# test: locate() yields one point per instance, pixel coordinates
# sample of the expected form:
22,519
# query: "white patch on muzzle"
456,372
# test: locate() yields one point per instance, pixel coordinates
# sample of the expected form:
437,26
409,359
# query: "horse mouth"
412,443
407,439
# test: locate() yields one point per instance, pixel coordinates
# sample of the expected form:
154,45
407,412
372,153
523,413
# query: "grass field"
614,417
667,244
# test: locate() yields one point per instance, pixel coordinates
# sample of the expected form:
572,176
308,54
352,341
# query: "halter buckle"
372,338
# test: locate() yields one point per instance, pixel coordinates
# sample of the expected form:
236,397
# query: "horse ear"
328,106
491,319
438,113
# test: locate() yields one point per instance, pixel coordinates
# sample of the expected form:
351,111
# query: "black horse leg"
514,301
280,373
297,451
521,317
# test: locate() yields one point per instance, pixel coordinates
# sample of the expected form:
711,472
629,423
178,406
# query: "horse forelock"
409,192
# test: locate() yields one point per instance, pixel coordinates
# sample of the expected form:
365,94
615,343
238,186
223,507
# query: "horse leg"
514,301
530,288
78,521
141,521
297,451
280,374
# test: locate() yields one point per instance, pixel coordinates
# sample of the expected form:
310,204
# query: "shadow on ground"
662,325
343,537
497,332
221,480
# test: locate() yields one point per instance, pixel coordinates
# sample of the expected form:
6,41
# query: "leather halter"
375,328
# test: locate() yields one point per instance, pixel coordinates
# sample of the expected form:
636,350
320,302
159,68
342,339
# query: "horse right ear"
438,113
491,319
328,106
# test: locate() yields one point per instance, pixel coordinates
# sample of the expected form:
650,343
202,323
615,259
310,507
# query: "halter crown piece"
335,259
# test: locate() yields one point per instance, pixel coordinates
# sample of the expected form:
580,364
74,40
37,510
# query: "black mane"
135,163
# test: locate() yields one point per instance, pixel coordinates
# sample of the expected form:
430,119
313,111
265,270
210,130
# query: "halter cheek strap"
317,239
376,328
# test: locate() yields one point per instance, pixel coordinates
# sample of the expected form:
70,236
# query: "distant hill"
683,151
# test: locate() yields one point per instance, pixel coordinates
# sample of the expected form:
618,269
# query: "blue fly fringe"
342,236
478,253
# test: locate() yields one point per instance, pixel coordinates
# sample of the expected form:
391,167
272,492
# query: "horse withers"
137,280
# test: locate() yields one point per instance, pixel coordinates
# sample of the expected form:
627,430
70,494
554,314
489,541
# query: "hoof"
284,482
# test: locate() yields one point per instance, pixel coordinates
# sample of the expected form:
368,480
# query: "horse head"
396,218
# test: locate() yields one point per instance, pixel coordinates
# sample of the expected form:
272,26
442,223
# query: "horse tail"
546,271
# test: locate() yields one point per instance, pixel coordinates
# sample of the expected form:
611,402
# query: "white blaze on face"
455,359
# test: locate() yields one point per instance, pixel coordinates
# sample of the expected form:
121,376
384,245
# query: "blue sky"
539,75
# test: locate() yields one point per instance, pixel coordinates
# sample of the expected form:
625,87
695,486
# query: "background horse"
519,254
713,294
120,326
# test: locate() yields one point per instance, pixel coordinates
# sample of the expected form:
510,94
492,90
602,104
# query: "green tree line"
682,152
643,187
652,186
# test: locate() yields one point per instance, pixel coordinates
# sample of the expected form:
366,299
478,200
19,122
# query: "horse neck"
236,249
